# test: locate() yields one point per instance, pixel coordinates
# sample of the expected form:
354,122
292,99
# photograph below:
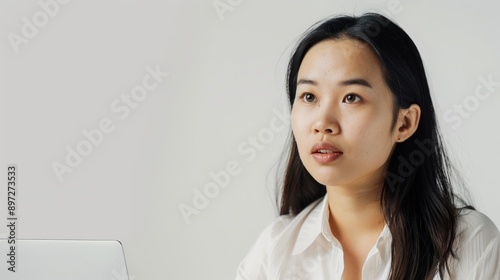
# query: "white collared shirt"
303,247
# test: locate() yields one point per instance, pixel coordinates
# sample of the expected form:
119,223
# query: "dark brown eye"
351,98
309,97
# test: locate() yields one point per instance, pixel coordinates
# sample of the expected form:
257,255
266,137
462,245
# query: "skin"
357,119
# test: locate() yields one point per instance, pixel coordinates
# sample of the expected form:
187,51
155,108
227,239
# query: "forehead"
334,60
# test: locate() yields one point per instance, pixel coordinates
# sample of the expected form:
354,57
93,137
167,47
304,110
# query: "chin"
328,180
327,183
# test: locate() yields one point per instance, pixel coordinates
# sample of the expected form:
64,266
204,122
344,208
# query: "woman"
368,191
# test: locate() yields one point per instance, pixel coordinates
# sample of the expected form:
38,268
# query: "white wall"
226,76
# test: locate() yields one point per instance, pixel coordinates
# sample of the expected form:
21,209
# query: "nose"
326,121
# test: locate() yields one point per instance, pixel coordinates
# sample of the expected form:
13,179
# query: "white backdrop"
118,113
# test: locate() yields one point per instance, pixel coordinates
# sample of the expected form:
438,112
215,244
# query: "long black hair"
417,197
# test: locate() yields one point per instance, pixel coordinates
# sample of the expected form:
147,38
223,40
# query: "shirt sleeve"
255,265
488,265
479,255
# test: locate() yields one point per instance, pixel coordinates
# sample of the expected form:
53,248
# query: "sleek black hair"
417,197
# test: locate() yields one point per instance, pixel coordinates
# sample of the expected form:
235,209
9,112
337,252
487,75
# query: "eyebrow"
361,82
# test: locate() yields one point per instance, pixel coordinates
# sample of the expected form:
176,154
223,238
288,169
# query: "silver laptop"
62,260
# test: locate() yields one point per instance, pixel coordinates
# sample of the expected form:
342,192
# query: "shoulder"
284,227
473,225
274,241
478,246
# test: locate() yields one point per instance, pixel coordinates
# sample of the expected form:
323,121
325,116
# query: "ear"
407,123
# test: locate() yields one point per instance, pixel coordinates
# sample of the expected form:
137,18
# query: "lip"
328,153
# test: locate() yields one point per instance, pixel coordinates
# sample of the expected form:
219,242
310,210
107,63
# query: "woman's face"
342,114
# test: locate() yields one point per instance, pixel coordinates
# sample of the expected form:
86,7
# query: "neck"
355,212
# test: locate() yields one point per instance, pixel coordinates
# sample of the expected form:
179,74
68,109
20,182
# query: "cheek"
298,123
300,128
370,138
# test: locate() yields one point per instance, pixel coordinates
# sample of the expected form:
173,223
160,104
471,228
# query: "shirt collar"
316,224
312,227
